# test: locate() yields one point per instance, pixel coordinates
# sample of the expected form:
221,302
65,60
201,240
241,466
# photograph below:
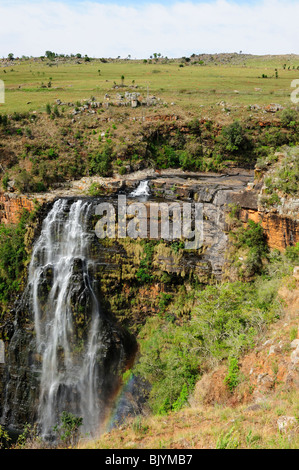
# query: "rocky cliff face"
11,205
281,231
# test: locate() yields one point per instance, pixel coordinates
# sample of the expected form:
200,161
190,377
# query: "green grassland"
189,85
220,100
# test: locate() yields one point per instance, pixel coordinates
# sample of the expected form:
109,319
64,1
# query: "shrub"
164,301
194,126
52,154
5,181
23,181
28,437
292,253
288,116
4,438
284,176
122,170
39,187
250,244
273,138
182,399
228,440
3,120
12,257
100,163
56,111
167,157
143,274
96,189
234,137
168,363
68,431
232,377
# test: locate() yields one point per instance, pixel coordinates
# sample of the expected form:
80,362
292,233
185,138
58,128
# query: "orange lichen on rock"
12,206
280,231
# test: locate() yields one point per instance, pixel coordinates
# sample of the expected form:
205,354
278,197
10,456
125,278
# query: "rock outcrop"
12,205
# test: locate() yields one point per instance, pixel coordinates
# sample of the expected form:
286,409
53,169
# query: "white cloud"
108,30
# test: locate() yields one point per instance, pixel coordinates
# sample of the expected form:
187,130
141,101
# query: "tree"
122,80
50,55
10,56
68,431
234,136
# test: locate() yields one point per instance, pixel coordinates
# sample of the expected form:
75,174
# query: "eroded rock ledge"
235,186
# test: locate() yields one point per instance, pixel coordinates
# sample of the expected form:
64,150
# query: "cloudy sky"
175,28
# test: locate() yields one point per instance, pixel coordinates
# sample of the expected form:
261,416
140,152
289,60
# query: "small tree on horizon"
50,55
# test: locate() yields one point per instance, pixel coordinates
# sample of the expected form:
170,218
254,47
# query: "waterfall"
63,296
141,190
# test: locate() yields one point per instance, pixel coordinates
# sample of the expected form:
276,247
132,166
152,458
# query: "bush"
232,378
96,189
143,274
273,138
234,137
248,243
23,181
288,117
4,438
168,363
100,163
3,120
12,257
167,157
5,181
68,431
48,108
29,437
122,170
52,154
292,253
39,187
284,176
164,301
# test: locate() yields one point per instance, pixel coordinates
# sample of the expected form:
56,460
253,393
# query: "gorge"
74,329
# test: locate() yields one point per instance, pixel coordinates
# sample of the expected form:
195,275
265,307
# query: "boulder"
286,422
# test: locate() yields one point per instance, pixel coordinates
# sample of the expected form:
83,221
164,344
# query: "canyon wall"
281,229
133,277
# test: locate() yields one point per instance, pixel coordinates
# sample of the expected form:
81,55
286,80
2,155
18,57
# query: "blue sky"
174,28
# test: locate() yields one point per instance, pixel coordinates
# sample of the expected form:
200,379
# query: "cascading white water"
141,190
68,379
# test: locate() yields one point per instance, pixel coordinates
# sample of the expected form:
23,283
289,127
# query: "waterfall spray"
69,381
